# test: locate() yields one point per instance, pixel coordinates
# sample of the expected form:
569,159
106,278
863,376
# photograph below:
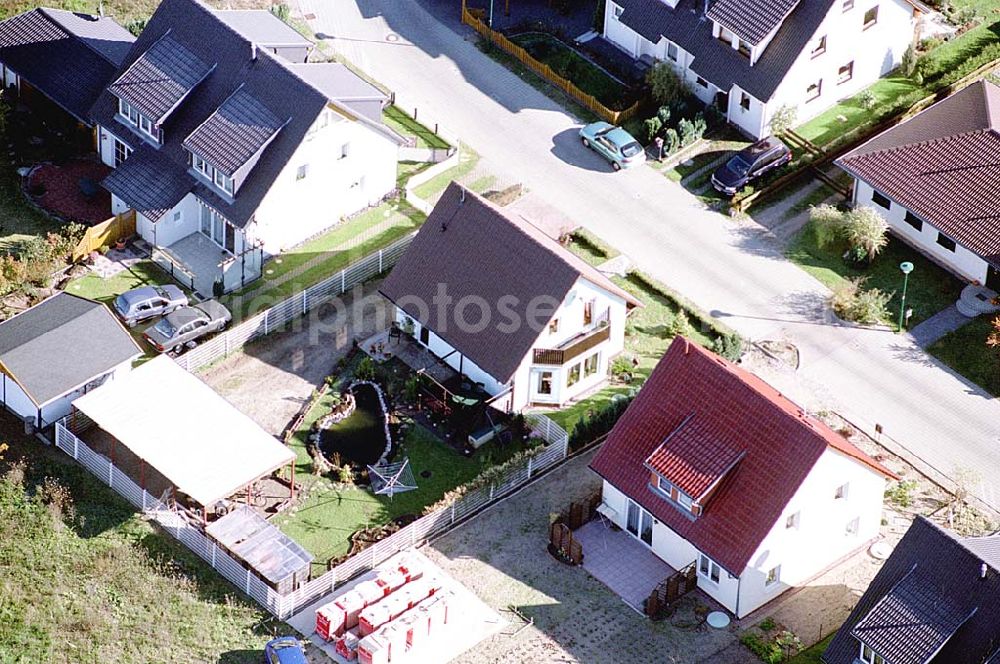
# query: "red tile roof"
737,411
944,166
695,455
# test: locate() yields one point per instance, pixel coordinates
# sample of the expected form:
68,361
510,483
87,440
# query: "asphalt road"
735,271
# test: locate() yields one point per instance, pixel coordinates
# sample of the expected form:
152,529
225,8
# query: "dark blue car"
284,650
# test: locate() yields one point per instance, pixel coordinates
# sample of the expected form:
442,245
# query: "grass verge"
929,290
403,123
965,351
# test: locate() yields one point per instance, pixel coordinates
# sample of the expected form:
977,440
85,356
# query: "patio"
199,256
621,562
384,346
71,191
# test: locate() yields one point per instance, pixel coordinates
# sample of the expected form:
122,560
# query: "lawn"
930,288
965,351
811,655
893,94
325,520
590,248
19,221
403,123
86,579
105,290
467,162
572,66
712,151
319,258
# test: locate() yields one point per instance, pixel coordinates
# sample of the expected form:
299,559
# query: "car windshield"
165,328
604,131
121,304
159,291
738,165
631,149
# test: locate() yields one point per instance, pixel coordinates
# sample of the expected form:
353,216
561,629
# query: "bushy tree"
666,85
651,127
671,141
828,224
867,99
851,301
784,119
866,231
663,114
908,65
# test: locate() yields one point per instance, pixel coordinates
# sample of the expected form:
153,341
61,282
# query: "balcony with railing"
592,336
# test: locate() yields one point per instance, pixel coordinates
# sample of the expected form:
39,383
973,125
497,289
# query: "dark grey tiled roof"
476,250
160,78
717,62
61,344
240,128
341,84
932,580
751,19
262,27
912,622
943,165
67,57
265,77
149,182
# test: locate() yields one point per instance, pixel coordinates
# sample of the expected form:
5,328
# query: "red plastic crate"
330,621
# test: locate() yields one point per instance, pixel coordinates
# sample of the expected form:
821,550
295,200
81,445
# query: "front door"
993,279
632,520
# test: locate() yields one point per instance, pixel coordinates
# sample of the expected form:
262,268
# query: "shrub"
784,119
136,26
866,231
663,113
597,423
671,141
365,369
901,493
345,474
767,624
908,65
828,224
689,131
667,87
680,325
651,128
766,651
621,368
714,117
729,346
852,302
867,100
282,11
411,388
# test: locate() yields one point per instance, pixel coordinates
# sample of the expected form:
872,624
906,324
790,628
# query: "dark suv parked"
749,164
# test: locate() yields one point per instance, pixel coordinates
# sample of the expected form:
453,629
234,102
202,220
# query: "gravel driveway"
271,378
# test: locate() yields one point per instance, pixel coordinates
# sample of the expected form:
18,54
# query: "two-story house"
935,601
752,57
933,178
712,466
506,305
231,147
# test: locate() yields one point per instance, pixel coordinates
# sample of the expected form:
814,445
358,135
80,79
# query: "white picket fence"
276,317
283,606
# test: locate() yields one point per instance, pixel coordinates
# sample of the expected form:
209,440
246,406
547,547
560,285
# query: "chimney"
253,50
982,571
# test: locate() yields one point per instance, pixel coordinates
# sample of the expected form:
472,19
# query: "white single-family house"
933,178
506,305
58,350
231,147
752,57
710,466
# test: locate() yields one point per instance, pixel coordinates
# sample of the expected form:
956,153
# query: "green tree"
908,65
866,231
667,86
784,119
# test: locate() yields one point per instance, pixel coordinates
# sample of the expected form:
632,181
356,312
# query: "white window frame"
853,526
302,172
617,12
684,500
708,569
793,520
223,182
543,377
845,73
869,656
842,492
345,150
126,151
676,54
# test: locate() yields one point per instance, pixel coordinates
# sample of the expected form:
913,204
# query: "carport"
177,425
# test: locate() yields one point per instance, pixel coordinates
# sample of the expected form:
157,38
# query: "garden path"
937,326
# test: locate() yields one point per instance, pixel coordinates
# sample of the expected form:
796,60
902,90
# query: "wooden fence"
670,590
103,234
589,101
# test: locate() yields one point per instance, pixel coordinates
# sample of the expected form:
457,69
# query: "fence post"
213,555
492,486
380,261
267,315
343,283
453,513
76,447
530,459
248,582
111,474
305,301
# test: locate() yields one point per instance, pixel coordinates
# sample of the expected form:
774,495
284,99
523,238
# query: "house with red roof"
711,465
933,178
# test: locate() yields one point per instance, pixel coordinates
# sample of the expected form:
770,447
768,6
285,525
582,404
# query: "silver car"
147,302
187,324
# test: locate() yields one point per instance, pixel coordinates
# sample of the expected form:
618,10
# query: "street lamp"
906,267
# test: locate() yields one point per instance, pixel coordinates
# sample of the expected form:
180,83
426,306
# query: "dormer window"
869,656
128,112
213,175
224,182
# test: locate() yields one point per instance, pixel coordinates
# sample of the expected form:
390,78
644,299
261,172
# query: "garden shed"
57,350
276,557
176,424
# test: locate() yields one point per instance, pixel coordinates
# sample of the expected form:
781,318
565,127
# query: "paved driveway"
735,271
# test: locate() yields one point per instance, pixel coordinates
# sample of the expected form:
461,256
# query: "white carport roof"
179,425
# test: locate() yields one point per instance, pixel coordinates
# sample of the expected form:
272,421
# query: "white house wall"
295,209
821,537
16,400
875,52
961,261
63,406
